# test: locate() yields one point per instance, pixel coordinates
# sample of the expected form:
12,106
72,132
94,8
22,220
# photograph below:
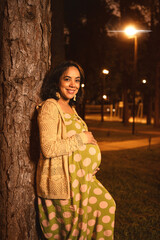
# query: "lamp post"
131,32
83,101
105,72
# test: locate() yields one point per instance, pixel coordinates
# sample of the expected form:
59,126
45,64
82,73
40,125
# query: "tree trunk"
25,58
57,44
125,107
157,96
149,109
124,59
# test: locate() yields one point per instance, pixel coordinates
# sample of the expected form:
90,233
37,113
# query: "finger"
95,171
95,141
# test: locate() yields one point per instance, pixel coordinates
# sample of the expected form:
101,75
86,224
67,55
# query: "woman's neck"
64,104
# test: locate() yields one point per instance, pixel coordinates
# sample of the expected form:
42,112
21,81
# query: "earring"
74,98
58,95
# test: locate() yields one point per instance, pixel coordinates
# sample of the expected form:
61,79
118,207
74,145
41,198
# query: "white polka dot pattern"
71,133
54,227
92,151
94,166
103,204
45,223
48,203
68,122
86,162
77,157
67,116
83,188
106,219
48,235
97,191
77,125
75,183
72,168
92,200
66,214
80,173
89,213
82,148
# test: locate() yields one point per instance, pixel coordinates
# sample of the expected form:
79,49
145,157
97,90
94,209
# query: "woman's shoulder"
49,105
50,101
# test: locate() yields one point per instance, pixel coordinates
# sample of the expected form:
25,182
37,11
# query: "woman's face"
69,83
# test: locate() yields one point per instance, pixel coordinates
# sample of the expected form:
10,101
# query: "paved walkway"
114,146
129,144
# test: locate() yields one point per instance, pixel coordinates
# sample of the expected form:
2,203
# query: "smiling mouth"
71,91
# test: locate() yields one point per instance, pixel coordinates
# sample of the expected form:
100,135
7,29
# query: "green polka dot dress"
89,213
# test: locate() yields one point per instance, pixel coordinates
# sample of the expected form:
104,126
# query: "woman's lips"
71,91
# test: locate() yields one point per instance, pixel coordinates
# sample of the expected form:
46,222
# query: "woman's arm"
48,125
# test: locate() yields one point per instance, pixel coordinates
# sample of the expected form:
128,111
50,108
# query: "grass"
133,179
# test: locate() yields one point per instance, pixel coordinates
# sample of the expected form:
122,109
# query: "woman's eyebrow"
67,76
70,77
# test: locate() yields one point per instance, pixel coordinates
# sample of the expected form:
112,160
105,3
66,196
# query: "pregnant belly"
93,156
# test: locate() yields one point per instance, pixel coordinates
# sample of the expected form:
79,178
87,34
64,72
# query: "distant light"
105,97
130,31
108,110
114,110
144,81
123,31
82,85
105,71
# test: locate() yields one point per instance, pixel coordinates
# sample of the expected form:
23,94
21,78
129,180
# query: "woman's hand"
95,171
90,137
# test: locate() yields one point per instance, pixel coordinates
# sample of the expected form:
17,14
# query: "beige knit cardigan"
52,178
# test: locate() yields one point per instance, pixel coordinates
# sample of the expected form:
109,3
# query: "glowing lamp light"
144,81
130,31
104,97
105,71
82,85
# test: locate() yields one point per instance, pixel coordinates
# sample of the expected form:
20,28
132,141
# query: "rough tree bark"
155,56
123,9
25,58
125,107
57,42
157,97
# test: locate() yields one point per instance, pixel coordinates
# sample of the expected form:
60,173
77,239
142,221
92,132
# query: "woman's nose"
72,84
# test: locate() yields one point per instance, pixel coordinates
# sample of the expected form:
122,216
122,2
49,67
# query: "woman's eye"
66,79
78,80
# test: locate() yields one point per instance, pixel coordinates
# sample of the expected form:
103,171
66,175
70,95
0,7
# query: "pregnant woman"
72,203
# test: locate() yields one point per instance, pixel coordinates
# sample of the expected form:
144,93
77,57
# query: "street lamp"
105,97
131,32
144,81
105,72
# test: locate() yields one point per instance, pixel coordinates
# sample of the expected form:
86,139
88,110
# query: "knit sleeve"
48,125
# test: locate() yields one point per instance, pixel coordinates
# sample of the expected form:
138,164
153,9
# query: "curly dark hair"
51,81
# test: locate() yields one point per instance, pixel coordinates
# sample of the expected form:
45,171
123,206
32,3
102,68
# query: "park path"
121,145
129,144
